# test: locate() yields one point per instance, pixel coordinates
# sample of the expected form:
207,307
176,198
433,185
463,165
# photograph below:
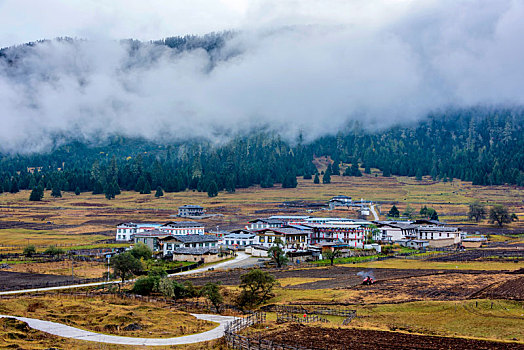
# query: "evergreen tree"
316,180
37,194
98,188
335,168
418,176
159,193
14,187
394,212
424,211
55,192
147,188
230,184
290,181
326,179
140,184
307,176
212,189
109,190
77,190
367,170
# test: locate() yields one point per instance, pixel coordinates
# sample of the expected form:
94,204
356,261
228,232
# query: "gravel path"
241,256
80,334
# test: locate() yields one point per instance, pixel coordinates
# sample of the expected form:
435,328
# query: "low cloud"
305,78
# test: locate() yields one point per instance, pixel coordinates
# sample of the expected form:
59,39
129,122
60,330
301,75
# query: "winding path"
75,333
375,215
220,265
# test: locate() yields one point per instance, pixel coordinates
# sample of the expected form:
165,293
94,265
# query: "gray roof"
182,224
438,228
239,236
153,233
191,206
195,251
286,230
269,221
194,238
396,224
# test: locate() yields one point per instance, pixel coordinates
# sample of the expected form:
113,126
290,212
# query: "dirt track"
393,285
16,280
342,339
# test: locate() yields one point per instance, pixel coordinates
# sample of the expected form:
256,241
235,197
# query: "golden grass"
87,214
293,281
108,315
82,269
451,265
463,318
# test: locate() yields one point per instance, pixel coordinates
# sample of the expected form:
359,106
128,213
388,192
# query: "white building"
291,237
126,230
190,210
259,224
183,228
391,231
239,239
353,235
437,233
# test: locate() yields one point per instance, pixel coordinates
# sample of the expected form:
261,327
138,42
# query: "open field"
17,335
82,269
87,218
109,315
339,339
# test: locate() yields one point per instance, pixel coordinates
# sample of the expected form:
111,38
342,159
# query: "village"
302,238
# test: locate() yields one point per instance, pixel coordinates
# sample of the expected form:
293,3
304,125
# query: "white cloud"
302,66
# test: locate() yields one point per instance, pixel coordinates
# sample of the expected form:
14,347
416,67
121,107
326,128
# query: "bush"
144,285
54,251
256,286
30,250
140,250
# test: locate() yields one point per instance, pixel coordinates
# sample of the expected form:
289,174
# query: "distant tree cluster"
481,146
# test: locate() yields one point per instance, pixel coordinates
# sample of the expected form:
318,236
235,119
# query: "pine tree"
55,192
77,190
159,193
316,180
37,194
98,188
212,189
109,190
14,187
147,188
140,184
335,168
394,212
326,179
418,176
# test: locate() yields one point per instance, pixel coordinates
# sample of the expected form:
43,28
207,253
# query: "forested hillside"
474,145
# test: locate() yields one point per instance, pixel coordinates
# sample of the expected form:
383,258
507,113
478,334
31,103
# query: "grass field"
423,264
87,219
109,315
472,318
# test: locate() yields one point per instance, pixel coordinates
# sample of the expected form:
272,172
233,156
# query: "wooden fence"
254,341
313,310
285,317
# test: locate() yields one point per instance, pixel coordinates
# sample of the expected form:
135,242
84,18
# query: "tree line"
481,146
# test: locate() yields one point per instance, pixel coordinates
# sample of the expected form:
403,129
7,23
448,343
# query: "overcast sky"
28,20
299,66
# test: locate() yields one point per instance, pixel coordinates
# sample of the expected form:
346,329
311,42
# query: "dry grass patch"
294,281
109,315
83,269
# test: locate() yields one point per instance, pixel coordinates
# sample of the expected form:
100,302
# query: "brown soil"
339,339
19,280
512,289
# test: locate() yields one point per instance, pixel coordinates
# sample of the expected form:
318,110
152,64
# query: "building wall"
438,243
196,258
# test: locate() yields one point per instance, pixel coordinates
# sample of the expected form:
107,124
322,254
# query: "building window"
262,240
270,239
